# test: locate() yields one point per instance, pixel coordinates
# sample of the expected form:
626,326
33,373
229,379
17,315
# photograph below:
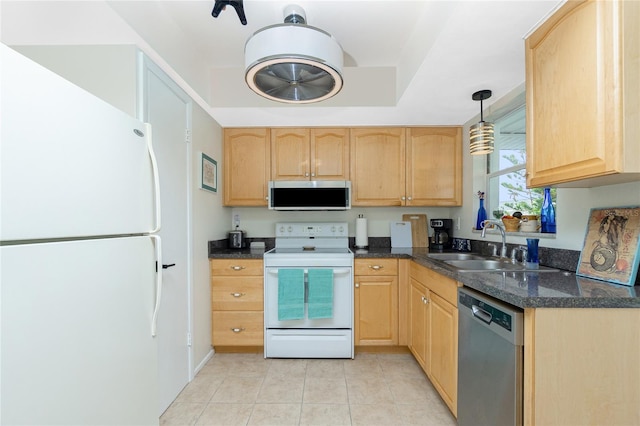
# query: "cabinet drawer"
231,267
445,287
376,267
239,328
237,293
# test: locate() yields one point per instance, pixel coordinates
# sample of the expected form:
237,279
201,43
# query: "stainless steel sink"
454,256
480,264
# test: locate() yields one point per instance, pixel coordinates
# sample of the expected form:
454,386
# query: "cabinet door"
376,310
443,349
330,154
434,166
418,322
378,166
575,63
290,154
246,166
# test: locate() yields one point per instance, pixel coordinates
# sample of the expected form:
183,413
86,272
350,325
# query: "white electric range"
305,247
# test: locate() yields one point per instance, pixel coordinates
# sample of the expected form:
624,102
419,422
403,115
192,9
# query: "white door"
168,109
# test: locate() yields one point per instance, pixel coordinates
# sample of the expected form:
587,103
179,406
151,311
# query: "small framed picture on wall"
208,173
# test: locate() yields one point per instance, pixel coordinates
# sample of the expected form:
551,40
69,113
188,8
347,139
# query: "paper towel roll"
361,233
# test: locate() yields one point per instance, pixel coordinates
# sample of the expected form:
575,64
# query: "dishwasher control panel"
486,312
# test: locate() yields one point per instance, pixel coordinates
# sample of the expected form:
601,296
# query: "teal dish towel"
320,297
290,294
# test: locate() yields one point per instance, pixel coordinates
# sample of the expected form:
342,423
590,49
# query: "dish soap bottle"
547,214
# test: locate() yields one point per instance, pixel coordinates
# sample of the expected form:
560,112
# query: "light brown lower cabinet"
581,366
237,306
376,302
433,329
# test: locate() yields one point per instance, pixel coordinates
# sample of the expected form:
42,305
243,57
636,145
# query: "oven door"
342,302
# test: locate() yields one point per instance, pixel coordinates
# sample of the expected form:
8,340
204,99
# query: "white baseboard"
203,362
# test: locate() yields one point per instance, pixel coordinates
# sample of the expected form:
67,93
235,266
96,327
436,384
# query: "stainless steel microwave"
310,195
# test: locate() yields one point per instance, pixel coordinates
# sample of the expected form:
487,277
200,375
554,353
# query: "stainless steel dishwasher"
490,357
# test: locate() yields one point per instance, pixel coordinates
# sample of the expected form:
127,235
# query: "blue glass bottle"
547,214
482,215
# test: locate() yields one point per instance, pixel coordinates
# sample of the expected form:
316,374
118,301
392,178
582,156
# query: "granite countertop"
562,289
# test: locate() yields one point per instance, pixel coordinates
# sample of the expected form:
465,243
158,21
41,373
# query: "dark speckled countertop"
561,289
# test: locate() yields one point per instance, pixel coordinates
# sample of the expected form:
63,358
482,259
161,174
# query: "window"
506,181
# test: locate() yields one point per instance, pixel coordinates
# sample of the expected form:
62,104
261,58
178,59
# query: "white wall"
207,217
259,222
109,72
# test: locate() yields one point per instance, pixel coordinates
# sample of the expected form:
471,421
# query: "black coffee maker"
442,236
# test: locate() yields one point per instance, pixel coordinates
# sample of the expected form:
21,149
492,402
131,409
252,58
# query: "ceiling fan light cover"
293,63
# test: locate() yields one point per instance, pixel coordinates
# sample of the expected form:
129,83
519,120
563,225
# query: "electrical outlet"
236,220
458,223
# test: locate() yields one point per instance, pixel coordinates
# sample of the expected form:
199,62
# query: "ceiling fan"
293,62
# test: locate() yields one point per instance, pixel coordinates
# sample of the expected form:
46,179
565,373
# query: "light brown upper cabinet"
310,154
434,166
583,107
397,166
247,155
378,166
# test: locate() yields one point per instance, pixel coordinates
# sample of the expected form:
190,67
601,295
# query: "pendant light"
481,134
293,62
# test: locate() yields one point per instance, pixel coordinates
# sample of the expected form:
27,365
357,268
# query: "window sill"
517,234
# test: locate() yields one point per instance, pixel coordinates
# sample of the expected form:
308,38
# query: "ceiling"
406,62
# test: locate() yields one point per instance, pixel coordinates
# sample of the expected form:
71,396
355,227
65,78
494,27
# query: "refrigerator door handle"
156,178
154,317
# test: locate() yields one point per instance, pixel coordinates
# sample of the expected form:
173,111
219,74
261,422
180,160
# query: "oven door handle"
336,271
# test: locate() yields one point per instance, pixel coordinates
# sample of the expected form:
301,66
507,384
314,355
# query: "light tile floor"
372,389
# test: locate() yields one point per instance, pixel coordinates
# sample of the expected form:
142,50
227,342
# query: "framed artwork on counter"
611,250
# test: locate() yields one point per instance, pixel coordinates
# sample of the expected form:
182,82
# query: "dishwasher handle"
481,314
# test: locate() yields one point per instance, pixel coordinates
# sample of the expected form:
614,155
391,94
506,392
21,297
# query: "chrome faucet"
514,254
503,250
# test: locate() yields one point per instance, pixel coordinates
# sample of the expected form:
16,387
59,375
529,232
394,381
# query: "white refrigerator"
79,209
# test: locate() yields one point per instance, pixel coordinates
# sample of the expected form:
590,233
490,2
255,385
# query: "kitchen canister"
529,223
362,240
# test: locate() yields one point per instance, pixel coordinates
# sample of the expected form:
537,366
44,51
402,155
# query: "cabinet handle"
424,300
313,175
237,268
409,198
376,267
357,285
237,330
237,294
403,198
306,174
